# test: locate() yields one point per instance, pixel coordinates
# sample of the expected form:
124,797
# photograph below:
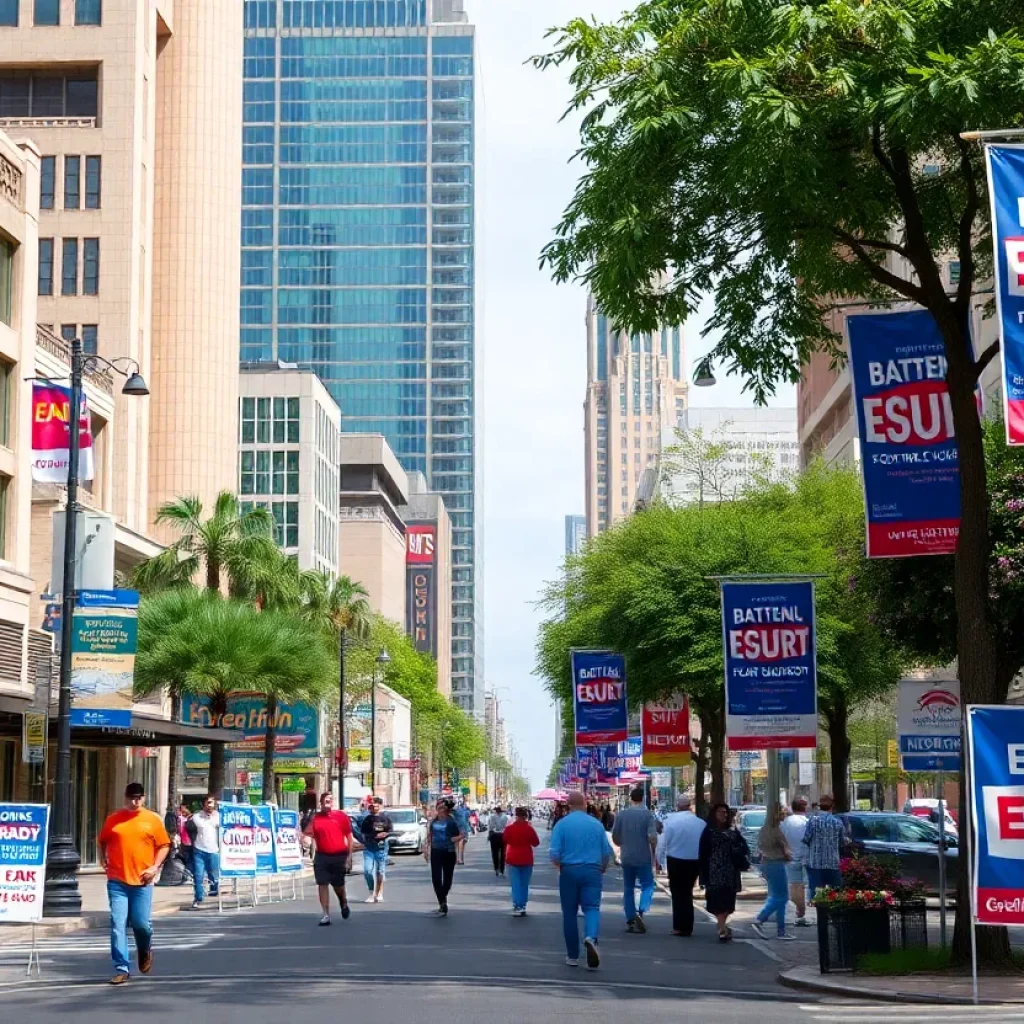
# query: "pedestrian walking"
496,825
823,838
203,830
461,815
133,844
636,835
331,832
443,837
607,818
678,851
520,839
794,828
375,830
581,852
723,855
775,855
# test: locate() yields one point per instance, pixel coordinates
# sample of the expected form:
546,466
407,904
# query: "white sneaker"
593,957
786,938
802,922
380,898
758,930
326,919
370,899
572,961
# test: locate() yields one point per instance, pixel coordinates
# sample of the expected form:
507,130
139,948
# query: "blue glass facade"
358,238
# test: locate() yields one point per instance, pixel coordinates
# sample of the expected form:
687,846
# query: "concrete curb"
806,979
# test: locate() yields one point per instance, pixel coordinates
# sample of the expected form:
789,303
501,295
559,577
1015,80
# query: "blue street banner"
771,689
929,723
599,697
24,831
287,845
909,458
1006,189
237,841
995,743
266,860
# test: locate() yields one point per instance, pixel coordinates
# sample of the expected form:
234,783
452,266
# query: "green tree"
776,155
698,463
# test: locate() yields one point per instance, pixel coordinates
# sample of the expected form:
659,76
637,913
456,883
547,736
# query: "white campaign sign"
23,836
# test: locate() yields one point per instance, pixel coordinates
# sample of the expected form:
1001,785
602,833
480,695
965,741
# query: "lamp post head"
703,377
135,386
383,658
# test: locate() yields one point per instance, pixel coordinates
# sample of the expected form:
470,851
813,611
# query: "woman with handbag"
723,855
775,854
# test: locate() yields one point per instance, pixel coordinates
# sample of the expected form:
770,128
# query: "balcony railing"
61,349
47,122
10,182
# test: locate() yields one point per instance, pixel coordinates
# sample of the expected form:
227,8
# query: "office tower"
636,387
358,239
575,534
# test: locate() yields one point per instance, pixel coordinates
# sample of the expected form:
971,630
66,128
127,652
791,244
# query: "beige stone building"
133,111
289,434
636,386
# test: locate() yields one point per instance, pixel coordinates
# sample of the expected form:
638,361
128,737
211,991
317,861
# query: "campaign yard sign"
665,729
237,841
929,723
771,687
1006,189
910,462
599,697
287,846
266,862
995,738
24,832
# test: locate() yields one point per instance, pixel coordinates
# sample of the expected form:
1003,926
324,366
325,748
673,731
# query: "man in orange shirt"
133,846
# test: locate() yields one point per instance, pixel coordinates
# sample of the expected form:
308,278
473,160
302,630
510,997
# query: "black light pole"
342,752
61,897
383,659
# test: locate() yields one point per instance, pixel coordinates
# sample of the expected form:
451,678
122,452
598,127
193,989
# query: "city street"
393,960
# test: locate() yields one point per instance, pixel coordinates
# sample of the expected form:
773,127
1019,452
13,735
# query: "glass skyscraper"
358,238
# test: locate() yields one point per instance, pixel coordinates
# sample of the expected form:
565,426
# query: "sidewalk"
913,988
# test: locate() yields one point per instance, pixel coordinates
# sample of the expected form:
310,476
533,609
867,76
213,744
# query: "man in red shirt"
331,832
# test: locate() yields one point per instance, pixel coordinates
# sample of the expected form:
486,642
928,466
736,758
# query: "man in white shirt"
678,852
205,848
793,828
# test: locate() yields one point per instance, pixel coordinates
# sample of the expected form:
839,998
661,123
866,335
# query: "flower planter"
908,926
845,933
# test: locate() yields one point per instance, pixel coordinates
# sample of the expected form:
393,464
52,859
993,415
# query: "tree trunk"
269,740
975,641
716,740
700,770
215,780
173,759
837,719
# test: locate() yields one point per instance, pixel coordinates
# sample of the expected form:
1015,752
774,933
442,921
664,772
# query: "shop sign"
33,737
24,831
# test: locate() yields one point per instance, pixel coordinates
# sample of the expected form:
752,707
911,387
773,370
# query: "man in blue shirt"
581,852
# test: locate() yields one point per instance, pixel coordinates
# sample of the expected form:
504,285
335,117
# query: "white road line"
909,1013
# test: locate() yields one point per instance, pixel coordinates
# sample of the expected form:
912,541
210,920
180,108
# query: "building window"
90,340
247,421
91,269
293,473
88,12
4,484
47,12
954,271
28,95
262,483
72,182
247,466
45,266
69,331
6,372
47,182
9,12
263,420
93,174
293,421
6,281
69,267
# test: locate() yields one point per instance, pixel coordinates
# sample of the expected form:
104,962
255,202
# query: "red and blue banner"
266,854
599,697
909,457
51,410
237,841
1006,190
995,738
24,833
771,687
665,728
287,848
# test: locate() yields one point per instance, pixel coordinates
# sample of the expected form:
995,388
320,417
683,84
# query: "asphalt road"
394,961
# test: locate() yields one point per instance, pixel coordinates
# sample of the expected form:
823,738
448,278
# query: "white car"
410,830
928,808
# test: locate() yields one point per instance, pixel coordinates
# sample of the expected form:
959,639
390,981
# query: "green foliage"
761,151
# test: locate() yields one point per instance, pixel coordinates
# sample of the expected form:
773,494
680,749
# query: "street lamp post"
342,752
61,896
383,659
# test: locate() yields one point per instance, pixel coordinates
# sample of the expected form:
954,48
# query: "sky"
532,350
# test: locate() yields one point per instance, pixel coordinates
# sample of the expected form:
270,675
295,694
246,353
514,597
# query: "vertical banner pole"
942,859
972,850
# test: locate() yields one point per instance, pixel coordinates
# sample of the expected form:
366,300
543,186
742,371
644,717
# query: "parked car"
750,821
410,832
912,840
928,808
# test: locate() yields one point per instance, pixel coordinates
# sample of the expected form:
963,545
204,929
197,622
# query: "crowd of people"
799,854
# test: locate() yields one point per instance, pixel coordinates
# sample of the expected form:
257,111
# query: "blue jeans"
819,878
520,877
579,885
129,903
375,865
631,874
204,864
774,872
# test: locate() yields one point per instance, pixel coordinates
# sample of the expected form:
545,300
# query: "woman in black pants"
495,828
442,835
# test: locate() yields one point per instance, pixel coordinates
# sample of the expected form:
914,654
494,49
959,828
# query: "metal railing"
61,349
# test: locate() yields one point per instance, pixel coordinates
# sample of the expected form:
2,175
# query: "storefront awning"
14,705
145,730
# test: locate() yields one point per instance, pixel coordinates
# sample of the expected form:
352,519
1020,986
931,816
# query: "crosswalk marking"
907,1013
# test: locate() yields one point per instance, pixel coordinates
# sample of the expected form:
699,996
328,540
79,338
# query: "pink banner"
51,410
